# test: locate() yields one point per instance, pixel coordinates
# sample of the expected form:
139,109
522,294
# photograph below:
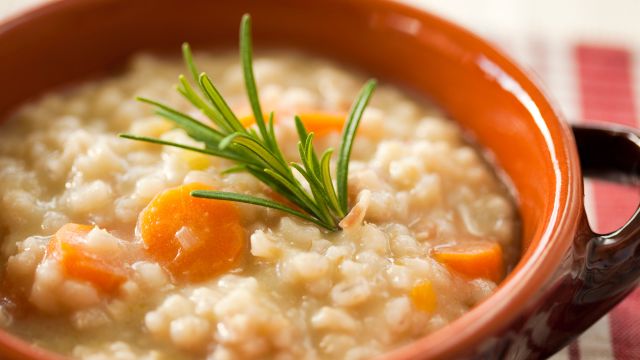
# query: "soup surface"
431,233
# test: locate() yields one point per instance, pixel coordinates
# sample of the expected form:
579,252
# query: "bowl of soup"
464,233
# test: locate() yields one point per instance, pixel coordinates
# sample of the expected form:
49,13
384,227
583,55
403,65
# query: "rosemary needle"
258,153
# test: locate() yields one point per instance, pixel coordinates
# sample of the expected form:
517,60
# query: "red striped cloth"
594,83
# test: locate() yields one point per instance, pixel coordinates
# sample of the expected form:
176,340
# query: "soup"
88,271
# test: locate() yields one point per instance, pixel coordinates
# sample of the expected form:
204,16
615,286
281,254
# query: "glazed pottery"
568,276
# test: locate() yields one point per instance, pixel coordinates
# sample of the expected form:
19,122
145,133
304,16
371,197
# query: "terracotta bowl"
568,276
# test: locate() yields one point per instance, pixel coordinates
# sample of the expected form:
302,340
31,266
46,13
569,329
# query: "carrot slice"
423,297
195,161
193,238
476,259
319,123
79,263
323,123
249,120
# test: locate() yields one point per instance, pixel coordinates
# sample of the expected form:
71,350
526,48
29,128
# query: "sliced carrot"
193,238
423,297
249,120
323,123
195,160
77,262
476,259
319,123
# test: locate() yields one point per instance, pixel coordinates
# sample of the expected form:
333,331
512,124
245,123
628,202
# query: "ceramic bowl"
568,276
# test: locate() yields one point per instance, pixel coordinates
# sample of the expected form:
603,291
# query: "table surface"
561,41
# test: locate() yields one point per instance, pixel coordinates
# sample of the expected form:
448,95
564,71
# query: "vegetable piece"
249,120
319,123
194,239
423,297
476,259
195,161
79,263
323,123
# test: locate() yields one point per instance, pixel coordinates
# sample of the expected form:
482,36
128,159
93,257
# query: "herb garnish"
257,152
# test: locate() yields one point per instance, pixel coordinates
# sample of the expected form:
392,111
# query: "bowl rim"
529,277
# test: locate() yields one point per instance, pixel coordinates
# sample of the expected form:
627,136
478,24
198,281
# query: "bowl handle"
611,261
601,269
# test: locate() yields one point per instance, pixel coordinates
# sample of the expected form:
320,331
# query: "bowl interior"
69,41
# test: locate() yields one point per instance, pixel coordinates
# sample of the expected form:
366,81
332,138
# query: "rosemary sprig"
258,152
